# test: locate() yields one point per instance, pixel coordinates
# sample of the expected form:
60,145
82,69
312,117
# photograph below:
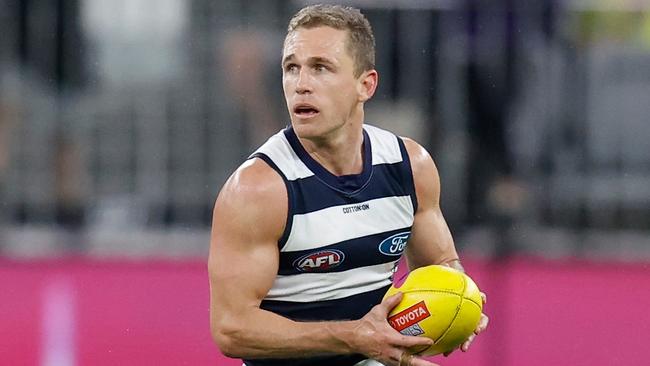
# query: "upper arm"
430,241
248,220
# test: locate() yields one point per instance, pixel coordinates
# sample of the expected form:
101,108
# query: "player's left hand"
482,325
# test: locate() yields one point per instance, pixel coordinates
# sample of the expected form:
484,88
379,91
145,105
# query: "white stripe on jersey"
332,225
385,148
278,149
308,287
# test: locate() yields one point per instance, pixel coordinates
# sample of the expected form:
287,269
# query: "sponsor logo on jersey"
394,245
409,317
356,208
320,261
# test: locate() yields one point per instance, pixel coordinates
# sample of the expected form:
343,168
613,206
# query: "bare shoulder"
425,172
421,161
253,179
254,197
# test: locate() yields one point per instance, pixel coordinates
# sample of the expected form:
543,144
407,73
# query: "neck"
341,151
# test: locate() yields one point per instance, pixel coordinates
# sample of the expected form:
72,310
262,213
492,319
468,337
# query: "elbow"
227,340
225,344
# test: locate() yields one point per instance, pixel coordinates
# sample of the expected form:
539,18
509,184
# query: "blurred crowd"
126,116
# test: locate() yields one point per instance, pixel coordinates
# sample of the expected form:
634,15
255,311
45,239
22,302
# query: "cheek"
287,87
346,96
285,84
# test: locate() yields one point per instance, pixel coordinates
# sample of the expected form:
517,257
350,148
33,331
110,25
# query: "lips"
305,110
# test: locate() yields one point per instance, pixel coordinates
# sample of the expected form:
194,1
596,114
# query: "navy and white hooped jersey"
344,234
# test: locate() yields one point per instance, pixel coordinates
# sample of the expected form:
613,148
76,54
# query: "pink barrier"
79,312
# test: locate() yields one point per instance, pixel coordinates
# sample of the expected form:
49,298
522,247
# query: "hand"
375,338
482,324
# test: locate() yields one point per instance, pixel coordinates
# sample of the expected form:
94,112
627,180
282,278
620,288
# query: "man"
297,266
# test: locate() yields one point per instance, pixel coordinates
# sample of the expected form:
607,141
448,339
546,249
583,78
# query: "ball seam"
460,303
430,290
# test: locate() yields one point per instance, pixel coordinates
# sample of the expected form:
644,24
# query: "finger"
390,302
484,298
413,342
467,343
482,324
410,360
416,361
405,359
446,354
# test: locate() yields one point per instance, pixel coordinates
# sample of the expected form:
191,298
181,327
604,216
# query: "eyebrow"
320,60
287,58
311,60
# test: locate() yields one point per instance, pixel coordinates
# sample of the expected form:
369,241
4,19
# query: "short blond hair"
361,41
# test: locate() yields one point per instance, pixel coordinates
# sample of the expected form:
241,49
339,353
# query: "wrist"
455,264
343,335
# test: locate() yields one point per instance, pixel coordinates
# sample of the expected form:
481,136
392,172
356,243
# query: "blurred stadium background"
120,120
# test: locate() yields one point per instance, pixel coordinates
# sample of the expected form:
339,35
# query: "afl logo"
319,261
394,245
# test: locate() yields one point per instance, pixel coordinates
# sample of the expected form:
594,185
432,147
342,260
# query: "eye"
320,67
290,68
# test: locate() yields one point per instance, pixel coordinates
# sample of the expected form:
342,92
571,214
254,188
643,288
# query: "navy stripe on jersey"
310,194
409,184
348,308
355,251
344,184
334,360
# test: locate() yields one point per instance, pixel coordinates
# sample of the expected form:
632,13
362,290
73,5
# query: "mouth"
305,110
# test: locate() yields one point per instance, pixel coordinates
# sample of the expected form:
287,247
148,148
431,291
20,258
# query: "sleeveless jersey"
343,236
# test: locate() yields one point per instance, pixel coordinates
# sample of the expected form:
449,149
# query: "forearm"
261,334
426,255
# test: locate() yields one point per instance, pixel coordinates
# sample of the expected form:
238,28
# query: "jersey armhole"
408,174
290,197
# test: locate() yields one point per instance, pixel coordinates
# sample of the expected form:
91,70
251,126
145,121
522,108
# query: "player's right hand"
375,338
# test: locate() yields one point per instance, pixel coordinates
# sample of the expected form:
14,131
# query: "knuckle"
383,339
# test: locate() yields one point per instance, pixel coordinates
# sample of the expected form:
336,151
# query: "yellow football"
440,303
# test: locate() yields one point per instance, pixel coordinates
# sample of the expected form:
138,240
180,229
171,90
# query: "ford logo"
394,245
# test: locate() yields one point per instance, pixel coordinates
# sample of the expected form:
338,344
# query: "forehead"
316,42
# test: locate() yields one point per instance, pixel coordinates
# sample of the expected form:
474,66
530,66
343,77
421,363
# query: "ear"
367,84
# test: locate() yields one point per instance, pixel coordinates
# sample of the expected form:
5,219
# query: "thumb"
390,302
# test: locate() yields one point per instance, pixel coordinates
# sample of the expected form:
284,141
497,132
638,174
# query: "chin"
308,129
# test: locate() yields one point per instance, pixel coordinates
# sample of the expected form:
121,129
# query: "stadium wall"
87,312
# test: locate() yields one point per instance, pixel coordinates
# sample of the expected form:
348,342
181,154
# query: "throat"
340,159
341,164
340,153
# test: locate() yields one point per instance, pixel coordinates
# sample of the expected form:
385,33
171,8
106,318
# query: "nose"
303,84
